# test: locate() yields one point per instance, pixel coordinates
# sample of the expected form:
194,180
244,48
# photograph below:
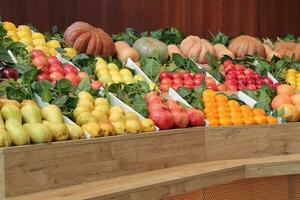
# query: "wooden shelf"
172,181
63,164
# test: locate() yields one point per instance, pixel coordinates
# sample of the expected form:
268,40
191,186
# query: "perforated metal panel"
269,188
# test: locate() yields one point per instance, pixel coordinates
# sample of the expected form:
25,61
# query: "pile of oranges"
219,111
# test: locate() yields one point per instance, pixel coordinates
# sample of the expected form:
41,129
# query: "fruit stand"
158,115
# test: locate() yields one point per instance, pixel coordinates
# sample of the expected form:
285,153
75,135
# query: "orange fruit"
237,121
258,111
235,109
245,107
234,114
212,115
223,114
260,119
221,98
209,93
207,99
271,120
213,122
210,110
279,100
247,113
285,90
222,109
249,120
210,104
225,121
233,103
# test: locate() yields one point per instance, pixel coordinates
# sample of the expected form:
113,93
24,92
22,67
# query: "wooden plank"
56,165
171,181
2,176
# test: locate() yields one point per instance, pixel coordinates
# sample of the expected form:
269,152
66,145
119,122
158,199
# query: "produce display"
84,83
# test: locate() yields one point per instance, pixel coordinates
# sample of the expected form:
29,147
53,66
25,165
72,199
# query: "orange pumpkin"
285,48
297,52
246,45
222,50
196,48
270,53
89,39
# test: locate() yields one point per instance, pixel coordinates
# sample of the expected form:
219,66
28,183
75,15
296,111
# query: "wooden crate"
32,168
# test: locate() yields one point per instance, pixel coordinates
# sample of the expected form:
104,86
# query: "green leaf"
200,89
84,85
197,103
139,105
183,92
168,36
43,89
178,59
64,86
251,94
144,86
151,67
60,101
220,38
15,94
29,76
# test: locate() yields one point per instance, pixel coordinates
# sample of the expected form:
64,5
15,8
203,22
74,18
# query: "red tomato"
175,86
188,82
231,82
187,75
73,78
197,82
232,88
229,67
167,81
45,70
227,62
199,76
176,75
177,81
251,87
164,87
189,86
248,71
239,67
212,86
96,85
56,68
56,76
164,74
70,68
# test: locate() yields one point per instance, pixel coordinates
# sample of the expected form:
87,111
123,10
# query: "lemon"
100,60
298,75
53,44
112,66
292,71
22,34
38,35
26,40
12,34
114,72
125,72
24,27
99,66
9,26
70,52
52,52
29,48
39,42
139,77
44,49
15,39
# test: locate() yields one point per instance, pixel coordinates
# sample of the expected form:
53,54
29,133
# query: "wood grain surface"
256,17
172,181
55,165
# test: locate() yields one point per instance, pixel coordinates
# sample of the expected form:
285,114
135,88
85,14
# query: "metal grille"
269,188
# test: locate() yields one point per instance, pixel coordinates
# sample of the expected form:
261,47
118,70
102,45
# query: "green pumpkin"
150,47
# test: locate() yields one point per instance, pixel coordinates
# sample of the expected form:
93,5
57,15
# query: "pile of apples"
35,40
51,69
168,114
185,79
238,78
96,117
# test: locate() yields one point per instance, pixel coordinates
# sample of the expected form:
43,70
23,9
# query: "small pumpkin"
89,39
124,51
270,53
222,50
195,48
285,48
246,45
150,47
173,48
297,52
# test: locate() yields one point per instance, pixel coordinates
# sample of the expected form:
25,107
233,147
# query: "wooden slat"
172,181
2,176
55,165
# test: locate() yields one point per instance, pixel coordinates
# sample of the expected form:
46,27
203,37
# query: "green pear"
5,140
17,132
52,113
39,133
75,131
31,113
11,111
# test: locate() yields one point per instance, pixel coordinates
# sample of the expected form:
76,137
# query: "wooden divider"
55,165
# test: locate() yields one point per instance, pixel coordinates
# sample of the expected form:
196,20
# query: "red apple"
150,96
176,86
229,67
197,82
164,87
162,118
56,76
231,82
96,85
177,81
222,87
181,118
199,76
167,81
210,80
239,67
227,62
43,76
45,70
56,68
212,86
40,62
232,88
53,60
251,87
187,75
36,53
248,71
70,68
196,117
155,106
82,75
173,105
176,75
73,78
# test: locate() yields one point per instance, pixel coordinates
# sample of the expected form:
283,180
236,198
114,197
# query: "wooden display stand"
177,154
